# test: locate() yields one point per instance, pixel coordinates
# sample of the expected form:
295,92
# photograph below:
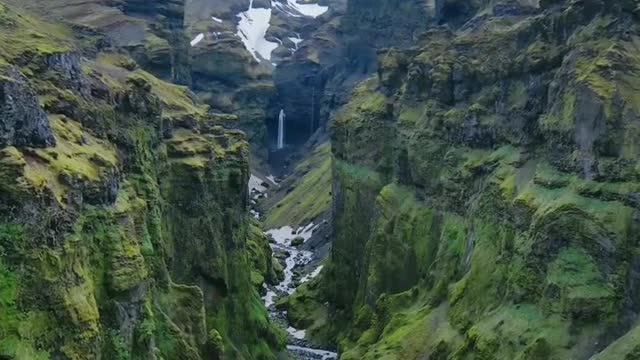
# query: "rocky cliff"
124,231
159,36
486,187
341,51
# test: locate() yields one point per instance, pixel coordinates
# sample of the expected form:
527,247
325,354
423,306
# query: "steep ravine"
457,179
299,267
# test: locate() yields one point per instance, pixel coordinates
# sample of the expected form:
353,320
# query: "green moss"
156,46
215,344
583,290
306,309
523,325
77,157
485,216
411,115
412,333
311,195
260,255
176,99
115,347
11,343
483,284
588,71
24,36
402,243
363,130
626,347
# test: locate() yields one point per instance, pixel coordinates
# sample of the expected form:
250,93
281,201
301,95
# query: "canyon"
331,179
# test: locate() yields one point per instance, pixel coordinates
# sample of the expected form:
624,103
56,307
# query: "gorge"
320,179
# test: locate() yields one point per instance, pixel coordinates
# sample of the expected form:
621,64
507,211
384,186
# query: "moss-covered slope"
305,195
124,232
486,190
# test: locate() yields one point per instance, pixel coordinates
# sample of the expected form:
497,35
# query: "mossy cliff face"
486,190
123,224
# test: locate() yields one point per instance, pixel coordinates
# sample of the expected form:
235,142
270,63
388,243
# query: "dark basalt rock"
22,120
139,100
68,70
297,241
262,4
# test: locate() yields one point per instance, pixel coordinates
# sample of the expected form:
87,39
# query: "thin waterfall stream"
281,118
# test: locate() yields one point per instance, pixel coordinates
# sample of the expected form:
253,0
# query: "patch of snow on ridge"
197,39
218,20
312,10
286,9
296,9
252,29
296,41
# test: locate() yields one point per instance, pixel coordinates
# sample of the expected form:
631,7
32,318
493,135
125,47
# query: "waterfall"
281,130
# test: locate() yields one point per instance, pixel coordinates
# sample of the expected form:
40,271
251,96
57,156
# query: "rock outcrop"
341,51
22,120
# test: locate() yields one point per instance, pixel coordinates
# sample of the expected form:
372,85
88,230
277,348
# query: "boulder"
297,241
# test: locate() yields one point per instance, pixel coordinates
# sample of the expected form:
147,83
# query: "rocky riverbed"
298,269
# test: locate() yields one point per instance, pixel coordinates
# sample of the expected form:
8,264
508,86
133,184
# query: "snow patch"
307,231
283,235
216,19
296,9
296,41
255,184
252,28
197,39
298,334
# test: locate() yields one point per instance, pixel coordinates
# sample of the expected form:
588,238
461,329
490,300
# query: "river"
297,346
